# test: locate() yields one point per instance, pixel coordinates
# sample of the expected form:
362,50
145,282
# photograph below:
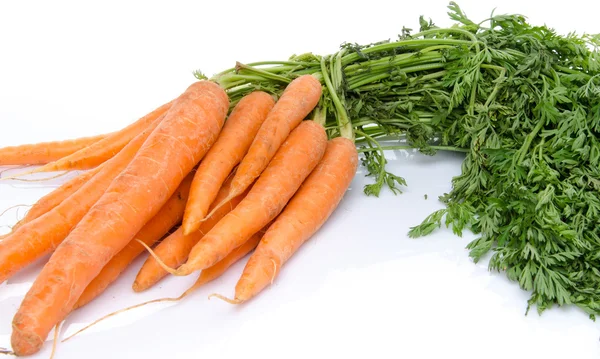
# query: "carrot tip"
222,297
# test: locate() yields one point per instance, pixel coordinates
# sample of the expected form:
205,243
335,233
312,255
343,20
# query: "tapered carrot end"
222,297
137,287
190,227
181,271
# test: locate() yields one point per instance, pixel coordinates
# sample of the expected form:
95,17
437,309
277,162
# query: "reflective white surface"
360,287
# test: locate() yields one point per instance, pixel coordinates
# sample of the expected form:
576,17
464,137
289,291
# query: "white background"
360,287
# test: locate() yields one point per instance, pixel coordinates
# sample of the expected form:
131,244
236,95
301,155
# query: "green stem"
496,88
523,150
401,43
407,147
451,30
262,63
342,117
267,75
353,84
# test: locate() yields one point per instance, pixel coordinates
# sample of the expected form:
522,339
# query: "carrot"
42,153
101,151
292,163
297,100
168,216
306,212
180,141
206,276
233,143
174,249
40,236
54,198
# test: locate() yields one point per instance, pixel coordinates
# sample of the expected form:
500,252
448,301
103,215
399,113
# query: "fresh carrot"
233,143
174,249
40,236
206,276
54,198
101,151
306,212
180,141
297,100
42,153
168,216
292,163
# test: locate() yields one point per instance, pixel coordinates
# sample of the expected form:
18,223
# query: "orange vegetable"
306,212
187,131
99,152
174,249
206,276
233,143
168,216
44,152
40,236
298,99
54,198
294,161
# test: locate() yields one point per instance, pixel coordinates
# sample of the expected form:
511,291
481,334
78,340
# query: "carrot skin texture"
294,161
45,152
233,143
175,249
297,100
40,236
305,213
168,216
106,148
188,129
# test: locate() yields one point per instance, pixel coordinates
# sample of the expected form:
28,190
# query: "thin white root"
7,352
16,177
224,298
170,270
55,339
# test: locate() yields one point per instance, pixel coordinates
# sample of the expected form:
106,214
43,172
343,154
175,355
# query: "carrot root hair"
15,206
158,300
55,339
7,352
181,271
16,177
224,298
122,311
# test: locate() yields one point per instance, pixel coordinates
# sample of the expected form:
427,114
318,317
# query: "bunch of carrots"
203,183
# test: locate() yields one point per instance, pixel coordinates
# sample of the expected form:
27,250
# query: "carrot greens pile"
521,101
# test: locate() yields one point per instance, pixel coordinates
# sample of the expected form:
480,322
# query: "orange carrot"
101,151
233,143
206,276
306,212
180,141
40,236
174,249
298,99
42,153
54,198
168,216
292,163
